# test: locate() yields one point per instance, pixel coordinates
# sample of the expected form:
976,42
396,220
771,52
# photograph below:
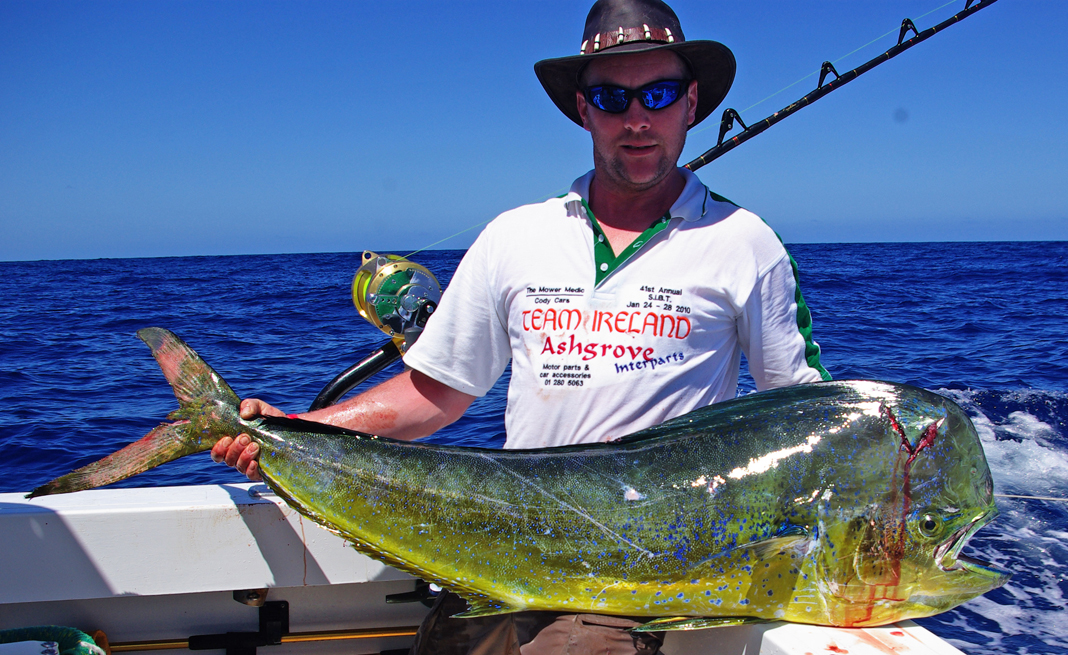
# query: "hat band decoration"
603,40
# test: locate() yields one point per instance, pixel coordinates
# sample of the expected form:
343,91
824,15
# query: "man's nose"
636,117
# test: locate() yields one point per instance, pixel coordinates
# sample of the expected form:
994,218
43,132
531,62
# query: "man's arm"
775,332
407,406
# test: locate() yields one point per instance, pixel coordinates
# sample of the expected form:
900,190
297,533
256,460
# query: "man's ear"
691,96
584,110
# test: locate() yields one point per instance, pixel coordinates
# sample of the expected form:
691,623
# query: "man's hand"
241,453
407,406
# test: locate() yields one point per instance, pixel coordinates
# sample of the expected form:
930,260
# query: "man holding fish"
624,303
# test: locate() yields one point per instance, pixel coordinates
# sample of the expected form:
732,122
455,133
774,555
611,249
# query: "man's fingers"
241,453
246,462
253,471
252,407
218,451
233,453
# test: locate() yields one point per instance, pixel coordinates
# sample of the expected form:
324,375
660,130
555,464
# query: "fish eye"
930,525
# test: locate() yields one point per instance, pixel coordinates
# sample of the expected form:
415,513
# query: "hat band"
603,40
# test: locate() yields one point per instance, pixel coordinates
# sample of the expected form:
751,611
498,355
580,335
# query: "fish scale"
841,503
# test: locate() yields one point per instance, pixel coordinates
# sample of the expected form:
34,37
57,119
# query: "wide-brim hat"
620,27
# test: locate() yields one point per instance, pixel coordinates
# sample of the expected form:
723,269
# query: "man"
626,302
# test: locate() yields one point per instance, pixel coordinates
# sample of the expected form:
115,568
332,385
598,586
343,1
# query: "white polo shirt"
605,344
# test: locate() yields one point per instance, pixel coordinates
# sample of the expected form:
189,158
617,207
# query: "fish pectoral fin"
482,606
768,548
694,623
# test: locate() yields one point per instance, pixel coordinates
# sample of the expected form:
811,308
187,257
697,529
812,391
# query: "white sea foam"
1025,463
1032,603
1027,457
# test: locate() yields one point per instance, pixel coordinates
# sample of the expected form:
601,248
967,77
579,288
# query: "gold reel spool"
395,295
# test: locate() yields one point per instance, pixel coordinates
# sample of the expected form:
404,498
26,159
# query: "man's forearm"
407,406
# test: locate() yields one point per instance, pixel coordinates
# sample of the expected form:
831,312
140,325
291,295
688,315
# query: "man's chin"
641,178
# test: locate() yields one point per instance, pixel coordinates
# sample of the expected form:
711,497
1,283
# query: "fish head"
898,555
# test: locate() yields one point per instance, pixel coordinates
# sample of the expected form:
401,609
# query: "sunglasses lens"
612,99
660,94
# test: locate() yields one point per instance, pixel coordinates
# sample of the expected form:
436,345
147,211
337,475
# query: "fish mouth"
948,558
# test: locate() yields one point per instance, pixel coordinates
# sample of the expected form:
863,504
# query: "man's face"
639,148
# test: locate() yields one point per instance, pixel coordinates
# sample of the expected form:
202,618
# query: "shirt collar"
691,205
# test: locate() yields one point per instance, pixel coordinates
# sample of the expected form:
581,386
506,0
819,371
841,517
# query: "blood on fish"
894,534
925,442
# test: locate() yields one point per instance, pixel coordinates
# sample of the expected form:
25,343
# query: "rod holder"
274,624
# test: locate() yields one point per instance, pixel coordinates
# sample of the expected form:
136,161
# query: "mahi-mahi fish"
835,503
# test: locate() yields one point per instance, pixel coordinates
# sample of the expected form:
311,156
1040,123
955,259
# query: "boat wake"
1026,442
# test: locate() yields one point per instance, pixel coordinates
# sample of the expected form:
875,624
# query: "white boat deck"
163,563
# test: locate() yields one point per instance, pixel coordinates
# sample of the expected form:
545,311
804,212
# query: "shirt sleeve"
777,345
465,343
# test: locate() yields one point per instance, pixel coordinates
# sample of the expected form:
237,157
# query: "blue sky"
132,129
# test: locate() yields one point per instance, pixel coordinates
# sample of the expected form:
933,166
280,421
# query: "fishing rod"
397,295
730,115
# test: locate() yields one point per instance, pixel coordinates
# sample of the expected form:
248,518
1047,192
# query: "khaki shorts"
528,633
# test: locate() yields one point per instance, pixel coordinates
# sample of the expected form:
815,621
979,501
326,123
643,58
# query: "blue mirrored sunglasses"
655,95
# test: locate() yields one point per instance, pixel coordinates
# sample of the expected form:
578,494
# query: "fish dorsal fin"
483,606
694,623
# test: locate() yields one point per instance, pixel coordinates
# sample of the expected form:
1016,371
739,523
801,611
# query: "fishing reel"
395,295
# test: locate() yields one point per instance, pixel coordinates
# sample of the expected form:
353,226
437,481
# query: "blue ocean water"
984,323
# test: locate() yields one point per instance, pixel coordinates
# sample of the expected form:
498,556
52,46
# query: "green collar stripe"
605,260
718,198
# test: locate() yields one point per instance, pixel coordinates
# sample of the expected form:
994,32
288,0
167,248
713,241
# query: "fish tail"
208,411
161,445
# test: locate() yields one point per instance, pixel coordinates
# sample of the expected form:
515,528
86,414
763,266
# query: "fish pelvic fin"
694,623
479,605
208,410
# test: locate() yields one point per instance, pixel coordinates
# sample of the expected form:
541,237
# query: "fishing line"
1058,500
468,229
729,115
451,236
